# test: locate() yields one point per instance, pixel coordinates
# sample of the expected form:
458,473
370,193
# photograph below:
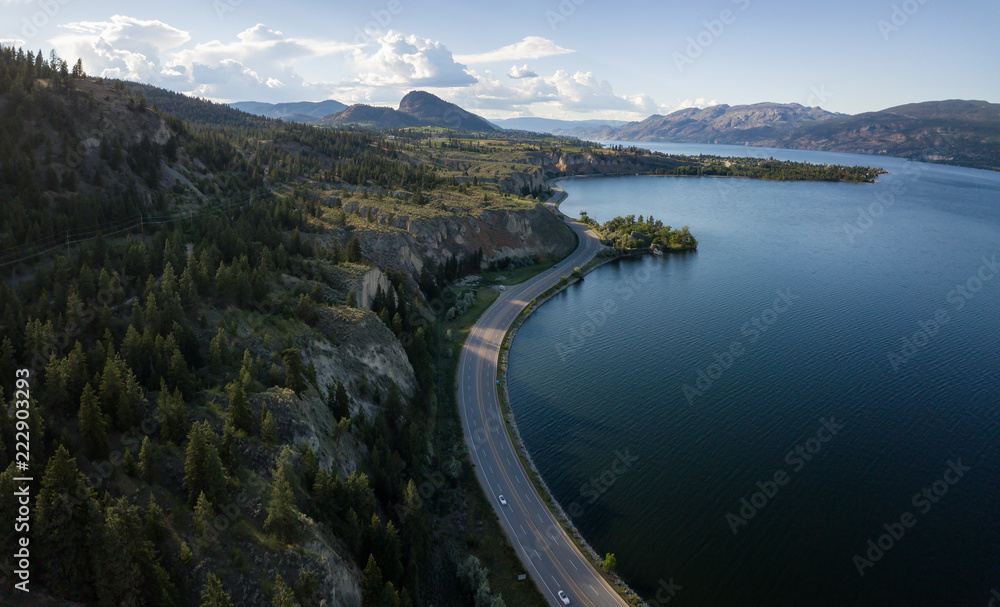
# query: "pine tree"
128,463
218,352
120,548
92,426
112,387
202,465
239,412
283,595
228,450
65,514
213,594
172,414
153,521
311,466
372,586
337,401
293,370
268,426
305,586
203,515
353,251
147,463
282,515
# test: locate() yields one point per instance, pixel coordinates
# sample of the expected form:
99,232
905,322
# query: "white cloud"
263,64
531,47
700,102
257,63
521,72
123,47
559,95
405,61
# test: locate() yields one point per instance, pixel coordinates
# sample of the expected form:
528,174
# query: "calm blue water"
598,380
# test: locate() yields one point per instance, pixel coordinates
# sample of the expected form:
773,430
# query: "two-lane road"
548,554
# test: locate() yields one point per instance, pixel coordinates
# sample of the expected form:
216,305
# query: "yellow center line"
544,543
493,448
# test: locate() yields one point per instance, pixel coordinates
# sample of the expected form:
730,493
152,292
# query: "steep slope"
198,111
176,389
433,110
953,131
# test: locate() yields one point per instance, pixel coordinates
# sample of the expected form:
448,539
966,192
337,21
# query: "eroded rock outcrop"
534,232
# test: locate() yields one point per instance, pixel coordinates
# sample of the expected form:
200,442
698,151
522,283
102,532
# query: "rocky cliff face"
551,164
371,282
532,232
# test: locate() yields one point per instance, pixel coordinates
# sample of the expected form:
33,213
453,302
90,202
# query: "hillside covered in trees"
230,403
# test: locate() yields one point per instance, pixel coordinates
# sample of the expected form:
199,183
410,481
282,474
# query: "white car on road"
503,500
563,597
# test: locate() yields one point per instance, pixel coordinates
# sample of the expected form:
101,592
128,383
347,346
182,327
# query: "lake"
802,412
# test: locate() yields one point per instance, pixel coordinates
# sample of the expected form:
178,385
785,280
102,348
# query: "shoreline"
609,175
623,589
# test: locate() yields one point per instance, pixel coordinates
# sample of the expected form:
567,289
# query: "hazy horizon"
568,59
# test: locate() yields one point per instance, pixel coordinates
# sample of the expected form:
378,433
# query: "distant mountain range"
299,111
720,124
417,108
954,131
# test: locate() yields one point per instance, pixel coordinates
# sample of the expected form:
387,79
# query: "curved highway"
548,554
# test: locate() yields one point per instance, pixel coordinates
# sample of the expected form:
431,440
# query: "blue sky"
550,58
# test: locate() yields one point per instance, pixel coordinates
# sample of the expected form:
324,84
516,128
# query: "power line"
53,243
